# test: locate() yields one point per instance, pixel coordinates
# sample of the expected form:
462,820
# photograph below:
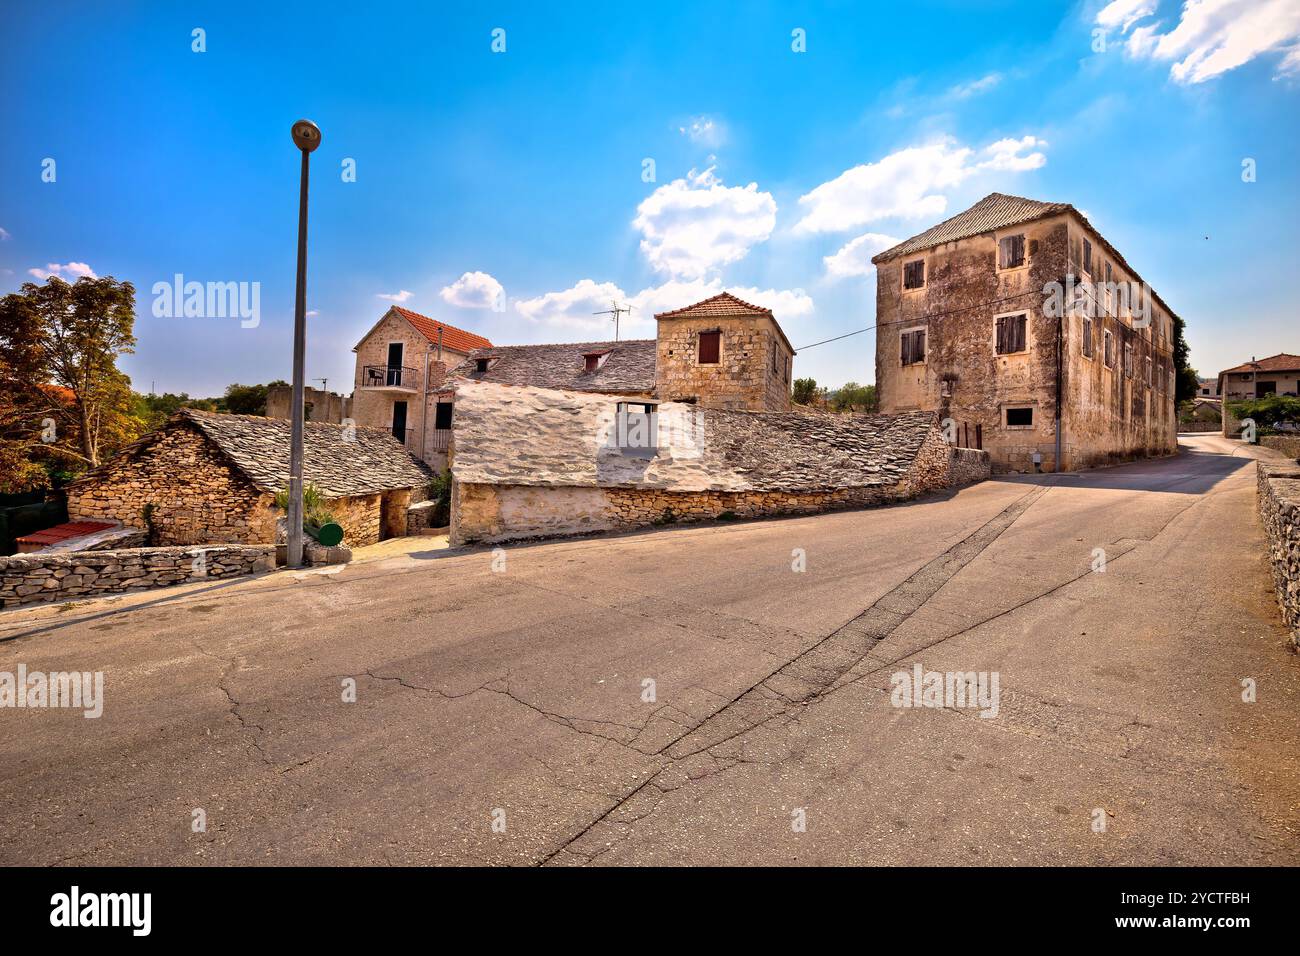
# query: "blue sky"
507,192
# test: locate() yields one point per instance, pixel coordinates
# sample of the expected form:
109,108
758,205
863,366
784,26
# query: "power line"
967,308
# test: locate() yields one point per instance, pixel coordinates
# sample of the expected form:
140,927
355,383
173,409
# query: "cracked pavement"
522,692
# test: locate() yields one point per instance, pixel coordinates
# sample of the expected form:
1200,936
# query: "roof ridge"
725,295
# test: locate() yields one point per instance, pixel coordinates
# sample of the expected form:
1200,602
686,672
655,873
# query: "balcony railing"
439,439
390,377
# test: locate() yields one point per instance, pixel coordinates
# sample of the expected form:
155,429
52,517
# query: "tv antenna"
323,383
615,310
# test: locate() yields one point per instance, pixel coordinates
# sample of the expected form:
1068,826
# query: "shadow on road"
1191,472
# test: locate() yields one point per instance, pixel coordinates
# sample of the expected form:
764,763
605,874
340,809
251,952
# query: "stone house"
204,478
400,384
319,405
1276,375
1026,330
722,353
595,464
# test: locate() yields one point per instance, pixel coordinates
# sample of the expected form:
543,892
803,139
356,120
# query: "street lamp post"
306,136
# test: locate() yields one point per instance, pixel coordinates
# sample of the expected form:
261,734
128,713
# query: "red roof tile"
63,532
458,340
724,303
1281,362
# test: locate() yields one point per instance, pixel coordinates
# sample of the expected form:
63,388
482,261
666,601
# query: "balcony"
398,380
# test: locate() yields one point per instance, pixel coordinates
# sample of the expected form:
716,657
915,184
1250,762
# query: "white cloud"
705,130
1124,13
1212,36
311,313
692,226
964,91
399,297
474,290
909,184
854,258
4,234
66,271
574,307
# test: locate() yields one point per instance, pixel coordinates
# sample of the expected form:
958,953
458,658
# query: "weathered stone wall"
1108,416
197,496
358,516
485,513
36,578
324,406
1288,445
753,371
1279,509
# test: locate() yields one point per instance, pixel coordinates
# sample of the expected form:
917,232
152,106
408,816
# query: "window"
1020,417
911,348
710,348
1011,252
914,274
1108,292
442,415
1128,360
638,429
1147,375
1087,257
591,361
789,367
1011,333
1087,337
481,365
1109,355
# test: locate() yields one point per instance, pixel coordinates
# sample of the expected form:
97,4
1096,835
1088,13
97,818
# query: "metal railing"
439,439
389,376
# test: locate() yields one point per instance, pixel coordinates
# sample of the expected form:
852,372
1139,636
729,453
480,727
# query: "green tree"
804,390
1186,380
246,399
1269,411
852,397
67,402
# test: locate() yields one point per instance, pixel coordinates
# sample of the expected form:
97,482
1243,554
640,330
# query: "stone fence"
1279,508
53,576
1288,445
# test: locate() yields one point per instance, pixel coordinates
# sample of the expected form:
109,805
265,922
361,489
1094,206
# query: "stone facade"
421,388
753,370
36,578
1279,509
1288,445
1111,410
320,406
182,490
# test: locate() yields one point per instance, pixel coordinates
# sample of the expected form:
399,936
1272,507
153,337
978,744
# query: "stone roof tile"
629,369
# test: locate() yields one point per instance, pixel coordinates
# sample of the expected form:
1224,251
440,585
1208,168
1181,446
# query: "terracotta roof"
64,532
367,461
994,211
1281,362
724,303
629,369
572,443
457,340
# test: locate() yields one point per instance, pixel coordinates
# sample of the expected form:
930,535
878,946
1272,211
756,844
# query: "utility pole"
615,310
306,136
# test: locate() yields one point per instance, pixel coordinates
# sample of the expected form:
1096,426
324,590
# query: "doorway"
399,421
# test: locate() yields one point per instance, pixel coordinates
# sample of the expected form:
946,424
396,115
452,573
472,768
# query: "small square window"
1011,333
710,348
481,365
914,274
911,349
1011,252
1020,417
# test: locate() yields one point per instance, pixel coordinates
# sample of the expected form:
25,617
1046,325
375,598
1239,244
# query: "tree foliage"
852,397
1268,412
804,390
1186,381
64,401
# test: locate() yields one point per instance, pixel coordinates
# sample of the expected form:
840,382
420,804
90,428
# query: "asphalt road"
503,715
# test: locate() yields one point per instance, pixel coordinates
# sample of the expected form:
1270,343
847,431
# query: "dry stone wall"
1279,509
43,577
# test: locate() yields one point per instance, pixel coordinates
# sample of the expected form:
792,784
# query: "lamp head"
306,135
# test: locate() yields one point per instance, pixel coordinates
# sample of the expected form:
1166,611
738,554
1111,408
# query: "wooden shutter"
709,347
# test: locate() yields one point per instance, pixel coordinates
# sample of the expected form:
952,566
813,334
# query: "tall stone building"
400,384
722,352
1027,331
